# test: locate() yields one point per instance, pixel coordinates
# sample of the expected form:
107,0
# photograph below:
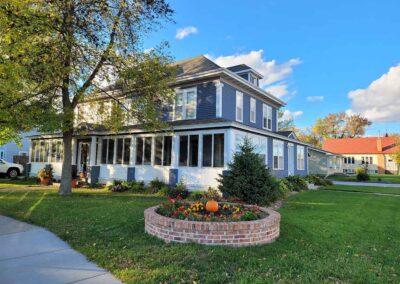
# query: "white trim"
239,115
267,114
300,166
253,108
184,92
218,98
279,144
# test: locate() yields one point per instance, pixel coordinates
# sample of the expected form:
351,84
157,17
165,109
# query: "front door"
290,159
83,157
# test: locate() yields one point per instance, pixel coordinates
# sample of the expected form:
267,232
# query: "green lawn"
374,178
325,237
371,189
8,183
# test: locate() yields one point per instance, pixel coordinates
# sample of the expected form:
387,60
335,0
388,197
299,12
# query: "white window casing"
278,155
239,106
253,110
267,117
300,157
218,86
185,106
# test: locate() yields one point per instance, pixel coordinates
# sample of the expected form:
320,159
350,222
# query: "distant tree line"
334,125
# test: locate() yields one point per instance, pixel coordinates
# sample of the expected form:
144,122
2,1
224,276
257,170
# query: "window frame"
279,166
253,110
185,103
123,150
239,97
188,151
163,162
301,160
267,115
212,150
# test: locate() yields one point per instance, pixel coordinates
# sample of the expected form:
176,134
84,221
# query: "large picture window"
107,151
163,148
213,150
47,151
186,104
267,117
300,157
123,150
143,150
188,150
278,154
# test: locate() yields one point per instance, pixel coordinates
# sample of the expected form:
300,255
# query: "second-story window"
267,117
186,104
239,106
253,110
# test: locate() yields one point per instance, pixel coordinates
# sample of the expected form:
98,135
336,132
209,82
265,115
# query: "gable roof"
288,133
364,145
195,65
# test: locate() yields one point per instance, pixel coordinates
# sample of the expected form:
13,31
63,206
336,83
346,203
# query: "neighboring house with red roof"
374,152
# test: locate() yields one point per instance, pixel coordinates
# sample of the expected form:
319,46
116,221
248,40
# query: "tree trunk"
66,175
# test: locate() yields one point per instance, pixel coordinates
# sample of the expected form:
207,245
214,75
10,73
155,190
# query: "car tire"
13,172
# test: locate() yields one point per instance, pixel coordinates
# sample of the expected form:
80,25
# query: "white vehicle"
11,169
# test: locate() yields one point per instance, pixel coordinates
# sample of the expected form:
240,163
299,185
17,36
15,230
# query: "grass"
325,237
374,178
369,189
17,183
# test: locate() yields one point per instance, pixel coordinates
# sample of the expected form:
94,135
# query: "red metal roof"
366,145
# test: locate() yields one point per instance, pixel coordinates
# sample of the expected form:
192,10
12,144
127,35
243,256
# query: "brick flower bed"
237,234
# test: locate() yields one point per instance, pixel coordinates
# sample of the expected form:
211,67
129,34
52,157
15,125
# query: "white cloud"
273,72
381,100
184,32
315,98
287,114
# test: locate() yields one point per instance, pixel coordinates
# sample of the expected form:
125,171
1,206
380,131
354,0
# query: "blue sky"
314,54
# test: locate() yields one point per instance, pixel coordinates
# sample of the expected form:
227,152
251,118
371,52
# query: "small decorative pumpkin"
212,206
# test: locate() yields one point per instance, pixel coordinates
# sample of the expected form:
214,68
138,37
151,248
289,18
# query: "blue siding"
206,100
229,108
11,149
285,171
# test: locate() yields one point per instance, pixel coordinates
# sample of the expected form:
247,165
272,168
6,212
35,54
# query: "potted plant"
46,175
74,180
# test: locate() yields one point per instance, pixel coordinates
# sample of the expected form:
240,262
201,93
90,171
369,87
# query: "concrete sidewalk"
377,184
30,254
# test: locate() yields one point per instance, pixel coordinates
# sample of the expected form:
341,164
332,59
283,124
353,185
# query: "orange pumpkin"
212,206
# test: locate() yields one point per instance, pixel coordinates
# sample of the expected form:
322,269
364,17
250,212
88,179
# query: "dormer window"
253,79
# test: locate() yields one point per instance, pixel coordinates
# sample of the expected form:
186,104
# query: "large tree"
54,54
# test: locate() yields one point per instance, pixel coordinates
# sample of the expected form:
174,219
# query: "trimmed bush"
362,174
155,186
297,183
318,180
248,178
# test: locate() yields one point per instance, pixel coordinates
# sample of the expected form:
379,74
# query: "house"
215,109
374,152
11,149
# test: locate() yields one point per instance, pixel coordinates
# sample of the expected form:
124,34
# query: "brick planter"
237,234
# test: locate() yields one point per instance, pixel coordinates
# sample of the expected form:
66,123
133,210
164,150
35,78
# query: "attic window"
254,80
